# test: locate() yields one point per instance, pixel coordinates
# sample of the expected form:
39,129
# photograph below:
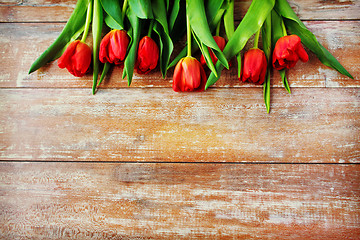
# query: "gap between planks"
179,162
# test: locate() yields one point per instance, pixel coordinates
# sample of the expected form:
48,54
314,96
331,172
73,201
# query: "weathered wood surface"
160,125
55,11
70,161
342,39
179,201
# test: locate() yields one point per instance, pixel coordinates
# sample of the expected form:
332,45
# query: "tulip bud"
147,56
254,66
221,42
76,58
113,47
287,52
189,75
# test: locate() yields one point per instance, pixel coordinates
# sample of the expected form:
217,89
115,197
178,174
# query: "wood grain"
179,201
144,162
342,39
314,10
221,125
55,11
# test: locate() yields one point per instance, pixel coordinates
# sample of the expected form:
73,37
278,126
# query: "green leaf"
166,48
162,29
174,14
74,24
167,5
96,30
215,9
106,68
229,30
276,25
250,24
212,8
294,24
159,12
284,80
114,14
129,62
266,40
177,20
200,26
111,23
142,8
229,20
267,93
206,53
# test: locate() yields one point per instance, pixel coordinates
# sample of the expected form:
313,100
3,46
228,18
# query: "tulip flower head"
189,75
287,52
147,56
113,47
76,58
254,66
221,42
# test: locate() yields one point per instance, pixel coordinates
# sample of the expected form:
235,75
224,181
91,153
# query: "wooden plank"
341,38
179,201
31,13
314,10
220,125
53,11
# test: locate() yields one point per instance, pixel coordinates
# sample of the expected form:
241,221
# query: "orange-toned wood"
57,142
313,10
179,201
53,10
340,38
157,124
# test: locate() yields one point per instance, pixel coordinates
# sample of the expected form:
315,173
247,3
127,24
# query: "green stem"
124,9
97,24
283,27
88,21
217,33
150,27
256,40
188,32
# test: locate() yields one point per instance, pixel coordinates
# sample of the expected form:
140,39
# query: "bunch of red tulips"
130,41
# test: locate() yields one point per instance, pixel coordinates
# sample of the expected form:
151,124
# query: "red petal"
65,58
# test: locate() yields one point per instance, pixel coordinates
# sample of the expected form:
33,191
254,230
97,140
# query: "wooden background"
144,162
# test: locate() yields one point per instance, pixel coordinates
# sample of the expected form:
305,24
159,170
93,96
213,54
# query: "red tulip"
113,47
148,55
189,76
76,58
287,52
221,42
254,66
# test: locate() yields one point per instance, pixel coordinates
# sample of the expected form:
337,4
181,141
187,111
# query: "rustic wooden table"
144,162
